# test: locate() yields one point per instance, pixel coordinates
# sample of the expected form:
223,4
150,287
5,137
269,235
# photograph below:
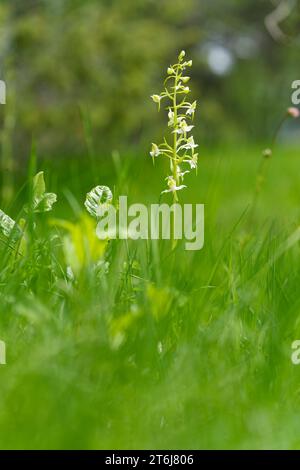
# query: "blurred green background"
87,68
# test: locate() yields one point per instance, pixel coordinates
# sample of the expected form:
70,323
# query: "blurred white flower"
180,173
193,162
155,152
171,118
191,109
70,274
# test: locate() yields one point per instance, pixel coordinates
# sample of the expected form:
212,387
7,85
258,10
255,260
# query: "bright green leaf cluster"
42,201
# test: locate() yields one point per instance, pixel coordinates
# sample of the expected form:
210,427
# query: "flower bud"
185,79
156,98
155,152
293,112
267,153
181,56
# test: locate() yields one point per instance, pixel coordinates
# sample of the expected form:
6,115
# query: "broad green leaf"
97,200
80,244
39,187
42,201
45,203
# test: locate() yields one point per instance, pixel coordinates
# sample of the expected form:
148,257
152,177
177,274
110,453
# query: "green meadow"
145,347
141,344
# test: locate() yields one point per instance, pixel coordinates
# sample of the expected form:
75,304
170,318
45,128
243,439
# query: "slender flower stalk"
293,113
180,149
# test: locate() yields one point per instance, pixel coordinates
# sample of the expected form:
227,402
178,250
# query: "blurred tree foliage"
79,73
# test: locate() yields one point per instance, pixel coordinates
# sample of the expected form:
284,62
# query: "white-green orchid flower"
190,144
191,108
172,186
193,161
184,128
155,151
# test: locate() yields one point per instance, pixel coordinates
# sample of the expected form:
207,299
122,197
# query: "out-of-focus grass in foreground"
154,349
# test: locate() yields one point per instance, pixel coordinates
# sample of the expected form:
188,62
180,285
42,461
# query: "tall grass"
139,346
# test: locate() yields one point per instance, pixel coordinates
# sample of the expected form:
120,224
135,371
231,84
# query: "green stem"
263,167
174,161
